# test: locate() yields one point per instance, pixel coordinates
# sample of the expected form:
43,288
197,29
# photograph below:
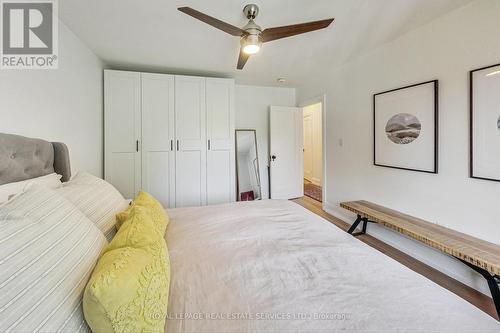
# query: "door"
190,143
122,131
220,141
286,156
158,155
308,146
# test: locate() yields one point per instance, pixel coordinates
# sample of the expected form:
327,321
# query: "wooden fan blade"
242,59
226,27
292,30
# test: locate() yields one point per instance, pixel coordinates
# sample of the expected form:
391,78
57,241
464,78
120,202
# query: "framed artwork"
406,128
485,123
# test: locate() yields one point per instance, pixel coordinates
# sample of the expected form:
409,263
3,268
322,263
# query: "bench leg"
493,281
363,228
365,223
355,225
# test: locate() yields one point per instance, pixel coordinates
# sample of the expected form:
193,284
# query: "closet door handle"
171,145
137,145
208,144
177,145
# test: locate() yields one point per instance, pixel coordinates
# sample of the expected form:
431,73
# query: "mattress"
273,266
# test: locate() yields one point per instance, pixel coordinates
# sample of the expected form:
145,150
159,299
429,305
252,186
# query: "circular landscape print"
403,128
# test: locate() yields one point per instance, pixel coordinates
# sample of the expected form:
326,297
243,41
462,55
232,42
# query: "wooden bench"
482,256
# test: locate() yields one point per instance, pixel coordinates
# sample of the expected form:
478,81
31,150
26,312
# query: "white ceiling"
153,35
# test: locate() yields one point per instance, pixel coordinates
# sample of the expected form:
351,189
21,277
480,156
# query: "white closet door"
158,155
220,136
122,128
191,144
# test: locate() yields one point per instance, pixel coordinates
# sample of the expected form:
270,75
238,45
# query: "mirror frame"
236,158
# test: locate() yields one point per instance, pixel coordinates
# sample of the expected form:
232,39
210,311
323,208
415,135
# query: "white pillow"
7,191
97,199
48,249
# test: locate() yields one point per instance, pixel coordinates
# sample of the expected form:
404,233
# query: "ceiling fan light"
251,49
251,44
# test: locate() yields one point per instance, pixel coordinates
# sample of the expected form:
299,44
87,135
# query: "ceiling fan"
251,35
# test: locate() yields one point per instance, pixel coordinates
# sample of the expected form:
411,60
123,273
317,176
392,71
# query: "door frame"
310,101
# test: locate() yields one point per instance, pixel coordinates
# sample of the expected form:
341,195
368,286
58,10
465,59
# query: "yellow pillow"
138,230
121,217
128,292
128,289
156,210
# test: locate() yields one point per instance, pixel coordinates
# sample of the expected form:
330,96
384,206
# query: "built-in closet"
170,135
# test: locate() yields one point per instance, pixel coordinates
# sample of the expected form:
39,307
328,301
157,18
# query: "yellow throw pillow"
156,210
122,216
138,230
128,290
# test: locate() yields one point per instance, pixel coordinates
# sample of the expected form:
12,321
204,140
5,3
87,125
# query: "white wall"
314,111
445,49
59,105
252,112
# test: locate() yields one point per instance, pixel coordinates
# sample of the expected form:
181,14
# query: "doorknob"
273,157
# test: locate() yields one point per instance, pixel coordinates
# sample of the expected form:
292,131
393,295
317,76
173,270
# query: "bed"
273,266
23,158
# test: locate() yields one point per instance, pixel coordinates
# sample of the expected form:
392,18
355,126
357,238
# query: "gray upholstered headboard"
24,158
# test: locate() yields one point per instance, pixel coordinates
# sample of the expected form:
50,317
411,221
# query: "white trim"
314,100
338,212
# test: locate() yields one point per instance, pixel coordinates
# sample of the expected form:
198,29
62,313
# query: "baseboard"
316,181
338,212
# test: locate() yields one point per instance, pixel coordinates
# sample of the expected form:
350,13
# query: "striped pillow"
48,250
97,199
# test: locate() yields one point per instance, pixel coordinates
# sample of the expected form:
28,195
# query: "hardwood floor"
469,294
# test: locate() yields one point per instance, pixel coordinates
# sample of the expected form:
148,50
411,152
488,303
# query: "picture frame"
484,123
406,127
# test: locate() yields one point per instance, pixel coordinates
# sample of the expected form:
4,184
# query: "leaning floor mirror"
247,166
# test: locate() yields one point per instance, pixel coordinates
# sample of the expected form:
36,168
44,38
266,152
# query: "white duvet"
273,266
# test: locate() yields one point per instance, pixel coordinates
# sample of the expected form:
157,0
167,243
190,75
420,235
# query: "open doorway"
313,151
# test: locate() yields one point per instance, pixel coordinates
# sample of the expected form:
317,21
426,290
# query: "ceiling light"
251,49
493,73
281,80
250,44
